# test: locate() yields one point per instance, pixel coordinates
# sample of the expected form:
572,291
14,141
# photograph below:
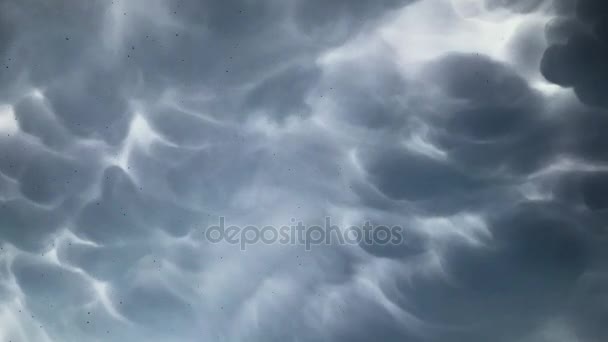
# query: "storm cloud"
129,127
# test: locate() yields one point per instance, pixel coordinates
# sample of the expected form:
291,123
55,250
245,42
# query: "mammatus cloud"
577,59
127,128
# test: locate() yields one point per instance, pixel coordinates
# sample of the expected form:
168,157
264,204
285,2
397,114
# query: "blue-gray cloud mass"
129,127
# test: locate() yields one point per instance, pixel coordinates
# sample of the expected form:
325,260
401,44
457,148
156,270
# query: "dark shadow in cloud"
589,189
496,131
47,39
125,212
50,288
369,321
589,308
176,314
230,19
251,55
582,133
580,62
49,185
27,225
497,123
410,244
15,154
479,79
35,118
93,104
49,179
406,175
284,93
533,259
116,216
106,262
6,35
595,191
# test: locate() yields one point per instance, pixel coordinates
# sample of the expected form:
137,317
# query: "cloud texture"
128,127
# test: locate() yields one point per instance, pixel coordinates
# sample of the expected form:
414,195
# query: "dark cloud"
92,105
129,127
475,77
579,62
124,212
581,132
50,179
594,190
35,118
497,123
533,259
404,175
46,39
284,93
49,286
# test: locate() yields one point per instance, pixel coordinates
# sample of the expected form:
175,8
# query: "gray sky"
128,128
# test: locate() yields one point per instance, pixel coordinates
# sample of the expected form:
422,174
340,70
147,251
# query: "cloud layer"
128,127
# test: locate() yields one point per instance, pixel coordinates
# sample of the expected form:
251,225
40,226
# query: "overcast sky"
129,127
